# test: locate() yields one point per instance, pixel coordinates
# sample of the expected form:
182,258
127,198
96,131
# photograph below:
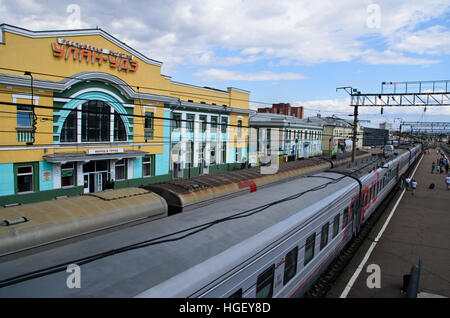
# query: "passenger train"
273,242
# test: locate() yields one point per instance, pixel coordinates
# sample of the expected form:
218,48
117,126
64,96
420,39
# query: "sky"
291,51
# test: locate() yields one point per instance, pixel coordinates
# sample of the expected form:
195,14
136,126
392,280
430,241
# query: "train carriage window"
324,235
236,294
309,248
345,217
337,218
290,265
264,284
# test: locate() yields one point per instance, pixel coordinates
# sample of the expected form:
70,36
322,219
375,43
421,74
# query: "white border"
15,97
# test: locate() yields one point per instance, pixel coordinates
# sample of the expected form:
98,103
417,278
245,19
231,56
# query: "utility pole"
353,92
355,127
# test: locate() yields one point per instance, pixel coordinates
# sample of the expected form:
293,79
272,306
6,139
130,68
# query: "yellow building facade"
81,111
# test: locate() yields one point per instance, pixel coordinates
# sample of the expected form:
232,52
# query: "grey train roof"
130,273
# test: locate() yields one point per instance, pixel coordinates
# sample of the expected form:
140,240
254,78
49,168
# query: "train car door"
365,202
354,213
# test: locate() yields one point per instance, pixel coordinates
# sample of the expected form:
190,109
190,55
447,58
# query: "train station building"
81,111
337,134
296,138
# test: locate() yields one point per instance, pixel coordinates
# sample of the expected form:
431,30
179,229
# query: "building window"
24,116
224,124
203,121
119,128
95,121
239,124
176,122
324,236
290,265
148,125
147,167
69,130
190,122
68,174
25,179
213,122
120,170
95,124
309,248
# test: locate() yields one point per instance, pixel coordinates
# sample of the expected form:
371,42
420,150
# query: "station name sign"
92,54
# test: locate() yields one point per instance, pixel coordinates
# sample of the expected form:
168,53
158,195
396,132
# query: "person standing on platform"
437,168
407,181
447,181
413,186
432,167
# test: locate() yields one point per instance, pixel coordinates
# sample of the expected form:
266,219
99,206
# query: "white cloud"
225,75
433,40
233,32
391,57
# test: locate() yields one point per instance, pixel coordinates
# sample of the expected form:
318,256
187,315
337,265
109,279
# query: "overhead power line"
182,93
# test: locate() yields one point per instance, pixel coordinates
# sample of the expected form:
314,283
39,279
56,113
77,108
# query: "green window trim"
35,176
152,166
203,120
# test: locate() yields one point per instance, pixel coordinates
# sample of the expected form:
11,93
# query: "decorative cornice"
25,82
128,92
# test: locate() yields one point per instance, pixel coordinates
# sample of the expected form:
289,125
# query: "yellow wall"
158,122
36,55
8,114
198,95
238,99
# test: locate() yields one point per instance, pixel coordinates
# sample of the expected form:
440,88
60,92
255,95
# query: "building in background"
283,109
337,134
81,112
386,125
373,137
295,138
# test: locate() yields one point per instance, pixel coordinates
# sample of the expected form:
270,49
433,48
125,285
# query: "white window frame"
25,174
147,163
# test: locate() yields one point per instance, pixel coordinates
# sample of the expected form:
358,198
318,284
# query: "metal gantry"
417,93
412,93
429,128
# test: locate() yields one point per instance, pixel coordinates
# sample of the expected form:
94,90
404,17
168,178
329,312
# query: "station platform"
414,226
